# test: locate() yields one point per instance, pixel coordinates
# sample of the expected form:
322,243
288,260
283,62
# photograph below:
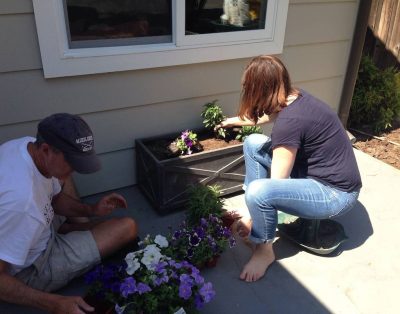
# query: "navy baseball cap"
71,135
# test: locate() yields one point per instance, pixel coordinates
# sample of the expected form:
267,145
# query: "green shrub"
376,99
203,201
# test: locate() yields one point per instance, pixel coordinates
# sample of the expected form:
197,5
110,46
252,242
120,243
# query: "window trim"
59,60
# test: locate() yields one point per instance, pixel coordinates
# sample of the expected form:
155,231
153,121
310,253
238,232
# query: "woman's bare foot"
263,256
243,226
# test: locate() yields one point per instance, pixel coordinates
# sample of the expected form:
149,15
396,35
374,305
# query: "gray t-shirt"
324,149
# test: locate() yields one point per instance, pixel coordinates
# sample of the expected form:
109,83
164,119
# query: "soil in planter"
166,149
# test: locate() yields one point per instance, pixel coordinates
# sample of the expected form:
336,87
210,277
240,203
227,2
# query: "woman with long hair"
307,166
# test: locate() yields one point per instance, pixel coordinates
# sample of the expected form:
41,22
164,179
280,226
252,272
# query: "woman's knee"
257,194
254,141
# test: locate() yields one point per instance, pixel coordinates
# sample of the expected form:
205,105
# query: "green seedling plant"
212,115
245,131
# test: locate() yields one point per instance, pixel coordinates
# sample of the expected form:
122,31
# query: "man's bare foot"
262,258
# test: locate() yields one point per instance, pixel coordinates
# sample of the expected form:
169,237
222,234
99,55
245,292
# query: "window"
79,37
109,23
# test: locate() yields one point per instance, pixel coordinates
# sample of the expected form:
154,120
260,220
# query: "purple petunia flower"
189,142
186,278
185,290
213,219
203,222
198,302
128,286
175,264
199,280
226,232
177,234
160,267
207,292
200,232
184,134
142,288
194,270
160,280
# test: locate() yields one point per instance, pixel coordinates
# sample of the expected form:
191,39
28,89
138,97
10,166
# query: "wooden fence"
383,36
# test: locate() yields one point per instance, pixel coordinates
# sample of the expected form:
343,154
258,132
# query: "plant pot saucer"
321,237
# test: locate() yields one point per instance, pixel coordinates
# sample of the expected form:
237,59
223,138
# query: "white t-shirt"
26,213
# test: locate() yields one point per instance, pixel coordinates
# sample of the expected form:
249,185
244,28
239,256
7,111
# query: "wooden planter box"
166,182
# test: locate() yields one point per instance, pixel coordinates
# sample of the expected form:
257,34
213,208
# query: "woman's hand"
108,203
227,123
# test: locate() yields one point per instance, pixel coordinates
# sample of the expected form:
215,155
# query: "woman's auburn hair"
265,88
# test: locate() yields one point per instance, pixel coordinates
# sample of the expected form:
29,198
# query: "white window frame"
59,60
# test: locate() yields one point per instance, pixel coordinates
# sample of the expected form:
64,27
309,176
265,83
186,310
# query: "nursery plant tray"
321,237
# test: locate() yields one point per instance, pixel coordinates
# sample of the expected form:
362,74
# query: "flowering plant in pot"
148,281
205,200
201,244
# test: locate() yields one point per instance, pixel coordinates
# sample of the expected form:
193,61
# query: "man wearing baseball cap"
39,251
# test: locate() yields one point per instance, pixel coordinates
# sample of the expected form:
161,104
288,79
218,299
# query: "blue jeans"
303,197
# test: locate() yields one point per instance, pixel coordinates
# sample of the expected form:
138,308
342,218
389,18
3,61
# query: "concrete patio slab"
362,276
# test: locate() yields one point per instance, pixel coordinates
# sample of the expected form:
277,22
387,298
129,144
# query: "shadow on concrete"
357,226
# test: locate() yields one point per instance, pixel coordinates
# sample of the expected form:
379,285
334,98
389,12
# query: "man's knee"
128,227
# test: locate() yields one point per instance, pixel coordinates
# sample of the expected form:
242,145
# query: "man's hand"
15,291
70,305
108,203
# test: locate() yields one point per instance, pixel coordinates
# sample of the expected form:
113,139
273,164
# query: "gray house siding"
122,106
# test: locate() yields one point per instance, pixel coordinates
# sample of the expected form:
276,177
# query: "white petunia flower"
161,241
133,266
151,256
132,255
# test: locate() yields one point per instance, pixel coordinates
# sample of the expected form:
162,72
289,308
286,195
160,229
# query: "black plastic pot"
321,237
166,182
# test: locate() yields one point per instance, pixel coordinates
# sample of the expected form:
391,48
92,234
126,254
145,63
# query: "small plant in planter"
245,131
212,115
187,143
148,281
